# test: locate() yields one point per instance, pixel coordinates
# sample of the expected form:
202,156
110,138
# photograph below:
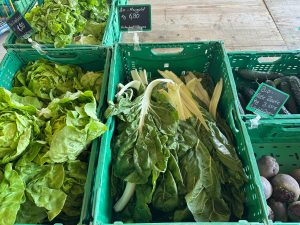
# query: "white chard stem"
127,194
133,84
146,102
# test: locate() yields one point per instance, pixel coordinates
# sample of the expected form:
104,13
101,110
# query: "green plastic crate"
21,5
287,62
281,142
91,59
203,57
111,35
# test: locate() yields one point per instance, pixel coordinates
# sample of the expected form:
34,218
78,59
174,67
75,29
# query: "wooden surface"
286,15
242,24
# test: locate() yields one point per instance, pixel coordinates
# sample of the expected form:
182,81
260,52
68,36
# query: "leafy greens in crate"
47,122
171,159
62,22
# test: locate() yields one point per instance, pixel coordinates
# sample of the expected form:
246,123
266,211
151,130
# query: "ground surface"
242,24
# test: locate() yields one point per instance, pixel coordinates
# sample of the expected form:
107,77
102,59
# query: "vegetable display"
62,22
248,83
282,191
47,122
173,156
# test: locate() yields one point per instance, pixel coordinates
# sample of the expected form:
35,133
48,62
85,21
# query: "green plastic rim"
111,35
90,59
204,57
286,62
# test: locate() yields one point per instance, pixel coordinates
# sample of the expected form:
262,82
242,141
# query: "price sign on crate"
19,25
267,101
135,17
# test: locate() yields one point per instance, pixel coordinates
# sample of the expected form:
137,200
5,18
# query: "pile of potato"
281,190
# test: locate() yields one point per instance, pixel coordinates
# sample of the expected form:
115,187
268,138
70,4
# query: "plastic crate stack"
90,58
278,137
7,8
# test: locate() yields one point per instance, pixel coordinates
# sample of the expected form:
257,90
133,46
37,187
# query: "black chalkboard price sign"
19,25
267,101
134,17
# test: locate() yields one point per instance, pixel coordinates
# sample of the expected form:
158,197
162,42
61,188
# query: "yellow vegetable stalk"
215,99
198,90
186,96
173,95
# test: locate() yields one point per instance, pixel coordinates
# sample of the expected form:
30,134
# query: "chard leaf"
205,208
135,161
166,197
142,211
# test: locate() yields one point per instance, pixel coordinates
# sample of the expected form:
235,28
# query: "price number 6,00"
132,16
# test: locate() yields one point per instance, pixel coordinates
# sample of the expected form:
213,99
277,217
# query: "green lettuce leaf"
73,186
43,80
43,186
92,81
29,213
56,22
11,195
96,10
18,126
46,80
72,125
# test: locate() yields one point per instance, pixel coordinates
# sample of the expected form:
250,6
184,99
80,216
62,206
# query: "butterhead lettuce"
18,126
72,125
47,124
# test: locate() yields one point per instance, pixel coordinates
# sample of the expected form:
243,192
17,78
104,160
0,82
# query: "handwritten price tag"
135,17
19,26
267,101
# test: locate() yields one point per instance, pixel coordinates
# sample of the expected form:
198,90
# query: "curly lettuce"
59,22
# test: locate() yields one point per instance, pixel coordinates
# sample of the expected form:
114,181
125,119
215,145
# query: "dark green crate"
21,5
287,62
281,142
91,59
207,57
111,35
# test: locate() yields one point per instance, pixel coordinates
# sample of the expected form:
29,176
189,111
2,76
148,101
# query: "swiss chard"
169,150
